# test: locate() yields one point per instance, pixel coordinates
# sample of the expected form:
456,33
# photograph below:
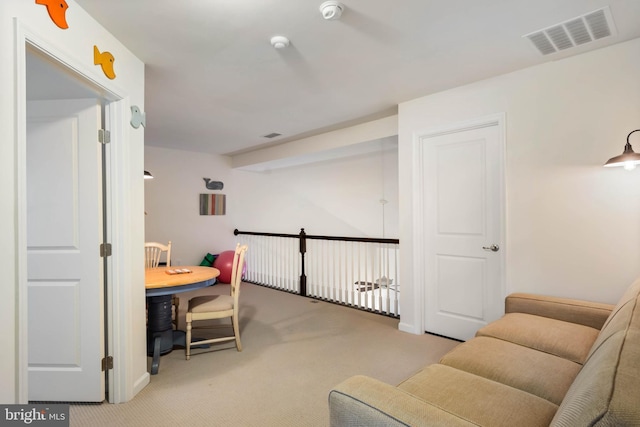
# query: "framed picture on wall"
213,204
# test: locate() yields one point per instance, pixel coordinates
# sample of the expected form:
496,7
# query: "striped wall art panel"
213,204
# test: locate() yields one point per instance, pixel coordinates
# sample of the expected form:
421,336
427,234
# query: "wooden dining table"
160,284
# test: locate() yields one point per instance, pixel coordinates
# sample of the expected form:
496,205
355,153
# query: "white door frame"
419,211
117,189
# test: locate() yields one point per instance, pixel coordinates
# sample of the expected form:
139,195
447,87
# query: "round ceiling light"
279,42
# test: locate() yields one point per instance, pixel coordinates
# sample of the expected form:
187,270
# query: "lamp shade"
628,159
147,175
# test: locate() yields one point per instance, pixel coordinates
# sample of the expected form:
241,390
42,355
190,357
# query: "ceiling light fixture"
279,42
331,10
147,175
628,159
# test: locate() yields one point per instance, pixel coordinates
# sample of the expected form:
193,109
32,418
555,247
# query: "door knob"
494,248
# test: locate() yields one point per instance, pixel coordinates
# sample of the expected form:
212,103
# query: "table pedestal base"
161,338
159,329
161,343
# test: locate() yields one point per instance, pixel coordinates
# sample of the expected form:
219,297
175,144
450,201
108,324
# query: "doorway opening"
67,210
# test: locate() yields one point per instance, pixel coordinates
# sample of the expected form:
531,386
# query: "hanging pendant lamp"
629,159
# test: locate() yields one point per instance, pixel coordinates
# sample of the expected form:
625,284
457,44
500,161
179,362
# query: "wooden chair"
153,252
210,307
152,256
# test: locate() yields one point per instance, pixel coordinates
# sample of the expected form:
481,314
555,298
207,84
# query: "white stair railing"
359,272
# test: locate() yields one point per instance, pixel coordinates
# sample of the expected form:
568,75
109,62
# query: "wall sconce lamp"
628,159
147,175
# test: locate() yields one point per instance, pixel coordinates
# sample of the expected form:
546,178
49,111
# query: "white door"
65,273
463,213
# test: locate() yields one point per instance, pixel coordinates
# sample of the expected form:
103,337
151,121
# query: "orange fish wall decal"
57,11
105,60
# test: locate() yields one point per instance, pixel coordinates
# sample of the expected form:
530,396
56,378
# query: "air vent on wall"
574,32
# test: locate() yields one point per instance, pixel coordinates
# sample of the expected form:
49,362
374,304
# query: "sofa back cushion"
563,339
607,389
586,313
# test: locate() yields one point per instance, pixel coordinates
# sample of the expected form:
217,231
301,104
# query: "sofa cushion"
607,390
542,374
620,316
366,402
569,310
477,399
563,339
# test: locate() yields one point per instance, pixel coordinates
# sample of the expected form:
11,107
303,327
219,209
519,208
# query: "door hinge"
105,249
104,136
107,363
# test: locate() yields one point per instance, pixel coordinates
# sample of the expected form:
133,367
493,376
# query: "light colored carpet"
295,350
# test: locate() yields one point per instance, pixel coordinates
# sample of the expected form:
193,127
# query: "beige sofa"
548,361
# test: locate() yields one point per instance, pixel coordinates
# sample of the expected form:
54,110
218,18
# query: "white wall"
172,203
573,227
337,197
75,47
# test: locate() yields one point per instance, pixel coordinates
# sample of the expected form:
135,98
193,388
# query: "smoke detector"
279,42
331,10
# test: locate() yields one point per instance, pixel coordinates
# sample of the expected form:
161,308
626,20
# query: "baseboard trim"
409,328
142,382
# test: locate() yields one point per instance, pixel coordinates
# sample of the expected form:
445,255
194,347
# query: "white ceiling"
215,84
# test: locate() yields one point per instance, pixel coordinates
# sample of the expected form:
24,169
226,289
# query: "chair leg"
175,301
187,344
236,332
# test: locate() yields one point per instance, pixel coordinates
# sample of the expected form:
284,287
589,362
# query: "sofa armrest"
586,313
367,402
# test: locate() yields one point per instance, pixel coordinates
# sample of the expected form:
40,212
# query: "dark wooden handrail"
256,233
319,237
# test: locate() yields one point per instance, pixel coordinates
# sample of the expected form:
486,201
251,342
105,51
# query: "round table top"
157,278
